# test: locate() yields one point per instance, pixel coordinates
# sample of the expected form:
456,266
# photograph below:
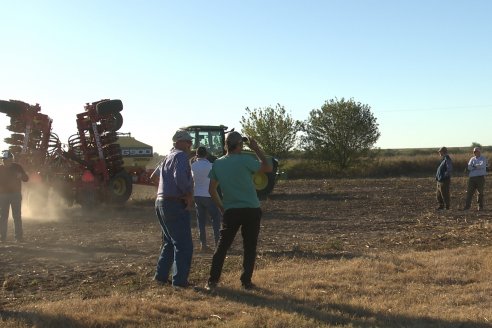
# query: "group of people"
477,170
183,185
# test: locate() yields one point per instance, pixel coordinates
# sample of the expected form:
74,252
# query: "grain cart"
137,157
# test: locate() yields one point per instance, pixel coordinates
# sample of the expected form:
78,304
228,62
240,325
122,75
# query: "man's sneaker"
210,286
440,208
248,285
466,208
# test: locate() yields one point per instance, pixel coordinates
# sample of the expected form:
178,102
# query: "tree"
341,131
273,128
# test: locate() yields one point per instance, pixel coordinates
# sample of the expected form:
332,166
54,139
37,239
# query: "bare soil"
94,253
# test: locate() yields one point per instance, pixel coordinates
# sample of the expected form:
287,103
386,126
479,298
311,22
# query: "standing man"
174,200
443,177
11,177
477,168
240,205
203,202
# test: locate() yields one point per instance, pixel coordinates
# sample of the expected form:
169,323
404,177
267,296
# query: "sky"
423,66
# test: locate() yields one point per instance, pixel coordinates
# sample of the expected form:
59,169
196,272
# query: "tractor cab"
211,137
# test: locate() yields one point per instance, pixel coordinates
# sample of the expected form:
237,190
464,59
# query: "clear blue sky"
424,67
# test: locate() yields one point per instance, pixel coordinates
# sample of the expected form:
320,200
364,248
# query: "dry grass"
397,165
447,288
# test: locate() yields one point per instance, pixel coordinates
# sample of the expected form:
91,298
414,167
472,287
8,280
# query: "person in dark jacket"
443,177
11,177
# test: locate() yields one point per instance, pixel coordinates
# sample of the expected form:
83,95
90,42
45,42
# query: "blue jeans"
14,200
204,205
177,247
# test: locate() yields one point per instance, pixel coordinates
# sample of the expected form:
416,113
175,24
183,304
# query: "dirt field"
69,253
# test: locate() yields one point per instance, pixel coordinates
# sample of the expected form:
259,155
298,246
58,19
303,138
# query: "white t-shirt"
200,170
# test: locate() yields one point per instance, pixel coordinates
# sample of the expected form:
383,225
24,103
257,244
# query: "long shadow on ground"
337,314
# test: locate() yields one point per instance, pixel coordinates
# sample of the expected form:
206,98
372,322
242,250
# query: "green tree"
273,128
341,132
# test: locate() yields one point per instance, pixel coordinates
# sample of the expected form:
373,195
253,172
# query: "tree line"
340,132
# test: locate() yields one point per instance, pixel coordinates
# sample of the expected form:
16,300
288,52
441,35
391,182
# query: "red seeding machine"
89,170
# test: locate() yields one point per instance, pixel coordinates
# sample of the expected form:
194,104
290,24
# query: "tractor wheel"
17,127
109,107
114,122
17,136
9,108
13,142
264,182
120,187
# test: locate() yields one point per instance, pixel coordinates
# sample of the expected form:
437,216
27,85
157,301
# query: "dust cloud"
46,206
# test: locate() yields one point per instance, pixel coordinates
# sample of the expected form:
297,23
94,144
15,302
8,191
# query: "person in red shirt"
11,177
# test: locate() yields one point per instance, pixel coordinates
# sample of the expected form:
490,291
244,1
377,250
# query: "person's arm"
212,190
265,165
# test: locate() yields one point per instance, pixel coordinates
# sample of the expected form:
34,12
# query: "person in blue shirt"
239,206
443,178
477,168
173,204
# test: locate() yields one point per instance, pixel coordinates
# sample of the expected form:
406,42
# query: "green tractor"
212,137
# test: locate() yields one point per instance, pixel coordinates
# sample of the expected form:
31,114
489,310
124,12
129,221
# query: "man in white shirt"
477,168
203,202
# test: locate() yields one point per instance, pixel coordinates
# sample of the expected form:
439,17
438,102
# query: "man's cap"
6,154
443,150
201,152
233,138
182,135
477,149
